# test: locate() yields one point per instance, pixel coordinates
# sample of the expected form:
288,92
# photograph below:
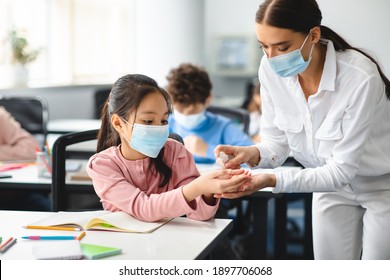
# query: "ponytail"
341,45
107,135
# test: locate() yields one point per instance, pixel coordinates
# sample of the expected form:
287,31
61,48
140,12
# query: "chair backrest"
60,190
101,96
237,115
176,137
32,114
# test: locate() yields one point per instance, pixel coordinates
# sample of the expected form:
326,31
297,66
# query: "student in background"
329,103
17,144
252,104
190,89
139,170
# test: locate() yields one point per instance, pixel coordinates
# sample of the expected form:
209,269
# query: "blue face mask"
290,64
190,121
148,139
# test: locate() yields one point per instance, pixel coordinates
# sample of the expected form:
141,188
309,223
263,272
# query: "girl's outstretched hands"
217,182
258,182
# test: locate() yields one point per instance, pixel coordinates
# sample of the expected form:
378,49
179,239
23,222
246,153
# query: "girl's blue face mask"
290,64
148,139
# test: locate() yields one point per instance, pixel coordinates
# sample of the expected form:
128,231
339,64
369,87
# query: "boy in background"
190,89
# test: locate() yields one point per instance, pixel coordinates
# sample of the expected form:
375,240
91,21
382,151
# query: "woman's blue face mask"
290,64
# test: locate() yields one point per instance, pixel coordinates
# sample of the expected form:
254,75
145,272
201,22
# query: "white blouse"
341,134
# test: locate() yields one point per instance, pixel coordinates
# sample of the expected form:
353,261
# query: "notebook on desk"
97,220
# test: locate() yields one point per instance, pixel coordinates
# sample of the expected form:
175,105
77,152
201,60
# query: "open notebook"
98,220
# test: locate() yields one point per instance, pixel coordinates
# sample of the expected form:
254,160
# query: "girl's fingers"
227,173
232,195
234,184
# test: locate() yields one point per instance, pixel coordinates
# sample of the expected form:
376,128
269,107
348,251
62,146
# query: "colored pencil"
53,228
81,236
6,242
7,246
54,237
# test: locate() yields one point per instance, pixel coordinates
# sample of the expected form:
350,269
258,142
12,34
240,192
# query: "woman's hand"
257,183
237,155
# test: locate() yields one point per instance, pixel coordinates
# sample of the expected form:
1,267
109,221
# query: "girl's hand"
257,183
224,180
219,181
237,155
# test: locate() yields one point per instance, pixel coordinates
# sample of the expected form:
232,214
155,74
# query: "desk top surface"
27,178
181,238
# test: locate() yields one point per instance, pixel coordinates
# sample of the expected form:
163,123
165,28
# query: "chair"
32,114
237,115
100,96
60,190
176,137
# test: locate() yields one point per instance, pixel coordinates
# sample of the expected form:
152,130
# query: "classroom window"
81,41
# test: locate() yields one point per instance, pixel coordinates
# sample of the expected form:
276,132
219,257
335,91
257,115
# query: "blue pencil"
54,237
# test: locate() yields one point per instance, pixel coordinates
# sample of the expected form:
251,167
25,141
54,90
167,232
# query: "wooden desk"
180,239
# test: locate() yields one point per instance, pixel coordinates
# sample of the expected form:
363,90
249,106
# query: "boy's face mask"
190,121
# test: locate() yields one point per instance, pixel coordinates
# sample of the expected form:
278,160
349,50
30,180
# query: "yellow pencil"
53,228
81,236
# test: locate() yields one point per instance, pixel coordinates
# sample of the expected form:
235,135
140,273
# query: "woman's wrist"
272,181
254,158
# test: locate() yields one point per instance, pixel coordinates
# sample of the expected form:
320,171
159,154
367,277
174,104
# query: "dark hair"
189,84
302,16
125,97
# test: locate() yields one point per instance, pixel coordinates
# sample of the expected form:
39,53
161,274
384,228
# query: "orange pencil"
81,236
53,228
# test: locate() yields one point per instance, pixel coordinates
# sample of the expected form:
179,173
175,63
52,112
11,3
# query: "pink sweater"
129,185
15,142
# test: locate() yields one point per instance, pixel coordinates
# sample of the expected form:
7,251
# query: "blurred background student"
190,89
252,104
17,144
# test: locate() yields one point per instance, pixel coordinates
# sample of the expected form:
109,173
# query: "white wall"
168,33
364,24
